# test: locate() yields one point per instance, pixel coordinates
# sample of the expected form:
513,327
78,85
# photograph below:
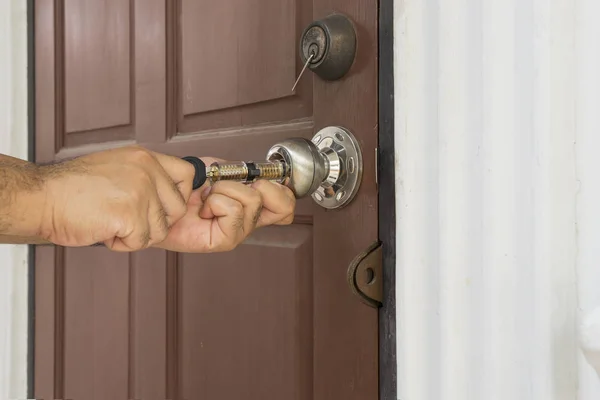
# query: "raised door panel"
245,319
237,63
107,64
251,41
98,64
105,324
158,325
96,326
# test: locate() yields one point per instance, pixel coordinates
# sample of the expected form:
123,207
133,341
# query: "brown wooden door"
273,319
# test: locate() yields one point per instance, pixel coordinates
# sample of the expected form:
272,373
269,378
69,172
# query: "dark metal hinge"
365,275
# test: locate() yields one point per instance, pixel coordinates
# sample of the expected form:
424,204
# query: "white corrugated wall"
13,141
498,197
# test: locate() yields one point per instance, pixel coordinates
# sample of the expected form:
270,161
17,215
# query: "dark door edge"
387,203
31,157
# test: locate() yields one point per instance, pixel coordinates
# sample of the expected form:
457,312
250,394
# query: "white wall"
498,197
13,141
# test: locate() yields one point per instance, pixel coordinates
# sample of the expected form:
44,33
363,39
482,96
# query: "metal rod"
247,172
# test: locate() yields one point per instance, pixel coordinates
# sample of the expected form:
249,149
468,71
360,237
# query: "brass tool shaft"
247,171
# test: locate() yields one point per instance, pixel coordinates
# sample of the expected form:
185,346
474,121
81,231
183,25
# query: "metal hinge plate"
365,276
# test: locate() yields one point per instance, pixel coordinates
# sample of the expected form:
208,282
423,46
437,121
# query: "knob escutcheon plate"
344,160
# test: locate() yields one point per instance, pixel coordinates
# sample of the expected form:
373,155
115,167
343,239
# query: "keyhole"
313,50
314,42
370,274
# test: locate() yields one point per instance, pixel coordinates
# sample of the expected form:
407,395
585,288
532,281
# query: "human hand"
131,198
220,217
126,198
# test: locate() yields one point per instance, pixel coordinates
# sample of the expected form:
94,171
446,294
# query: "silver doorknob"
328,167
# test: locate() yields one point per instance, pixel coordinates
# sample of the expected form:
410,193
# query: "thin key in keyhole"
303,69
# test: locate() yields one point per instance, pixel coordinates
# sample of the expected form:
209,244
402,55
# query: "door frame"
386,200
30,158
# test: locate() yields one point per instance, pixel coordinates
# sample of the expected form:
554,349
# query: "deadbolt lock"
328,46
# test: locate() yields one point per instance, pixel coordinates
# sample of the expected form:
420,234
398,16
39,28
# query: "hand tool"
328,167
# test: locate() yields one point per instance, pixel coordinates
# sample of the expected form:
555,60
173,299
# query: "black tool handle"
200,174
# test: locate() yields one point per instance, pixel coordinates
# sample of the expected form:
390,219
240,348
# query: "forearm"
22,201
8,239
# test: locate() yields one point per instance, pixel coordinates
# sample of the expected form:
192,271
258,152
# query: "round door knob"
328,168
330,43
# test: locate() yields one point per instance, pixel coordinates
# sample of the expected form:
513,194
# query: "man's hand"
126,198
130,199
220,217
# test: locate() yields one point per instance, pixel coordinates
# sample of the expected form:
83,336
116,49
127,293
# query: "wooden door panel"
248,57
272,319
113,324
209,317
152,336
248,315
108,64
240,71
98,64
96,325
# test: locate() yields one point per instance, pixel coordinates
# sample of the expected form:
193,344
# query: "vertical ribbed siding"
498,187
13,141
587,116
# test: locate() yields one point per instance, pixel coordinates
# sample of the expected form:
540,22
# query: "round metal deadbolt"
332,42
314,41
328,167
